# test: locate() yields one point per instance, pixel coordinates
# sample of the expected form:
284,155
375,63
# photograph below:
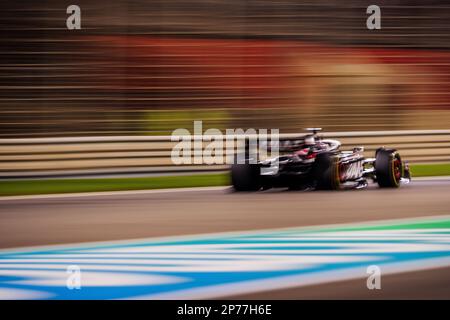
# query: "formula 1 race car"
314,163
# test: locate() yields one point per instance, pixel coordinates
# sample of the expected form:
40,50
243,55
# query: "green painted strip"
433,224
28,187
426,170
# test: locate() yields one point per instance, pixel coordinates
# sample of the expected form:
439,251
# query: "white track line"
436,178
111,193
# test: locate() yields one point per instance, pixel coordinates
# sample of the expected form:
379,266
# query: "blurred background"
140,69
93,109
147,67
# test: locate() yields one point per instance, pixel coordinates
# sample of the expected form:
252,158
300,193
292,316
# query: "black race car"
311,162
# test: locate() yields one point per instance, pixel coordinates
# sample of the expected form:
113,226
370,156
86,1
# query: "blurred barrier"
85,156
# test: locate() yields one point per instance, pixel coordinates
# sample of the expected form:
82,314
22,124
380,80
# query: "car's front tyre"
388,168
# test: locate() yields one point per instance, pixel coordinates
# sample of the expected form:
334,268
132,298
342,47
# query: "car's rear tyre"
388,168
246,177
327,172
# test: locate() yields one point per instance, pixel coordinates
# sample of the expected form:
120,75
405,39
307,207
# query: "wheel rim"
397,169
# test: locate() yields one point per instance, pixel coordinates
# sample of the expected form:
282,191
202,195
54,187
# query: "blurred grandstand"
148,67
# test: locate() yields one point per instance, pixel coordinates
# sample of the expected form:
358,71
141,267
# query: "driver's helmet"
310,140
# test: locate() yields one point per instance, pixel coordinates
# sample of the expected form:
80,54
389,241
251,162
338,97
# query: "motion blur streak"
225,264
193,264
84,102
148,67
